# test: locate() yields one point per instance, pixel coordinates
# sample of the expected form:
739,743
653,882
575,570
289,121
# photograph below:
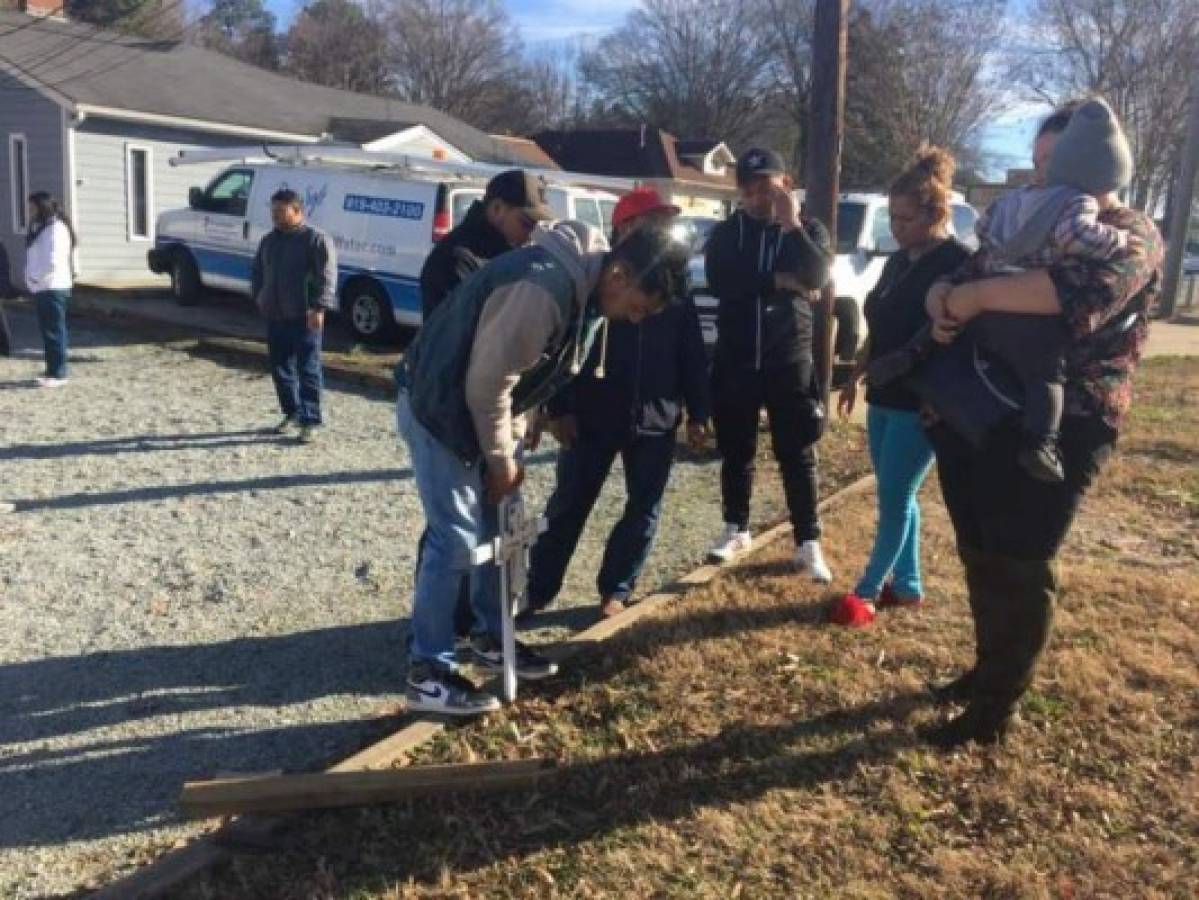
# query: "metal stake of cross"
516,534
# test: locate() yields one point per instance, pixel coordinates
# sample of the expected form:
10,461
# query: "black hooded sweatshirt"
459,255
760,327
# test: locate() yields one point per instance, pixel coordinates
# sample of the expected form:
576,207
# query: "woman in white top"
49,244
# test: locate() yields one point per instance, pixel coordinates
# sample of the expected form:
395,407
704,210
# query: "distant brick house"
696,175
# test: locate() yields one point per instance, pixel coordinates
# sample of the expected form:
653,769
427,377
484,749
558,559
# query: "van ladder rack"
354,156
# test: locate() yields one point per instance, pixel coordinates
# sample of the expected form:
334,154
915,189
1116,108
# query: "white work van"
864,241
383,219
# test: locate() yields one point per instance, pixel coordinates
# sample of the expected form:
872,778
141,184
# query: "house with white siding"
94,116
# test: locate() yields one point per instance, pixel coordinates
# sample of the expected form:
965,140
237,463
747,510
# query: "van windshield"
607,207
588,211
849,225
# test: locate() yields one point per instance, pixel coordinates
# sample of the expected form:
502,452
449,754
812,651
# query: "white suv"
864,241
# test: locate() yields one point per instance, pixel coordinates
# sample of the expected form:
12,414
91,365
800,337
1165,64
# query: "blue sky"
538,20
1007,141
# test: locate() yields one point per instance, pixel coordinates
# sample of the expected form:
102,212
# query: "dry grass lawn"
736,746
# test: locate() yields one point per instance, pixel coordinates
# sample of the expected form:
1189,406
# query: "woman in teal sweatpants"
899,450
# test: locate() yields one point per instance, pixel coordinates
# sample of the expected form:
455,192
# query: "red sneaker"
888,599
851,611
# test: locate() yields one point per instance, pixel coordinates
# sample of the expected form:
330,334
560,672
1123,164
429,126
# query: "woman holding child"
1009,523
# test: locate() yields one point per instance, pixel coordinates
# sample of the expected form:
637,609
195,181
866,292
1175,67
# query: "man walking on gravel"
765,266
293,281
500,346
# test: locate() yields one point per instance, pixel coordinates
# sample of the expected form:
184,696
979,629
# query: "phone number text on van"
384,206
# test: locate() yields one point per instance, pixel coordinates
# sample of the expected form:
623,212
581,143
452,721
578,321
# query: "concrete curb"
208,851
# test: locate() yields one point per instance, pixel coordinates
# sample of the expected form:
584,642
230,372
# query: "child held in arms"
1032,228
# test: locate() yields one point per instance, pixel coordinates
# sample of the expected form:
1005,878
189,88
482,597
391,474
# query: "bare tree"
919,70
1138,54
458,56
948,69
244,29
698,68
787,30
876,144
337,43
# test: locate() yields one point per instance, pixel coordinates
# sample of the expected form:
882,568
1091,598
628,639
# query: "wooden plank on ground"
386,753
326,790
607,628
171,870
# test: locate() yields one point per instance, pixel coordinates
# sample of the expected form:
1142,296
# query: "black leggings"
997,507
1009,528
738,396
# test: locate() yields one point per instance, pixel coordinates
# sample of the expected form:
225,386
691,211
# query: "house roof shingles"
83,65
696,148
627,153
527,150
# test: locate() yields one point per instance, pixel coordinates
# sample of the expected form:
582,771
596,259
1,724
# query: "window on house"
18,166
139,200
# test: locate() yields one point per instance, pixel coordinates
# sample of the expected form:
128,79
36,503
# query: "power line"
134,50
73,41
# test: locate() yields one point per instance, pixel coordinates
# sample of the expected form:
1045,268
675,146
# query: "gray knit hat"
1092,154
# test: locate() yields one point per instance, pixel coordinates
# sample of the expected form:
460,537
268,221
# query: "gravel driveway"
183,594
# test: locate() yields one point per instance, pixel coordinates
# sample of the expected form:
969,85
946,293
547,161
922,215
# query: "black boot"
960,690
1012,603
982,723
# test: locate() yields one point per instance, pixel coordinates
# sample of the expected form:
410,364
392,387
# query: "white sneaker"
808,558
733,541
48,382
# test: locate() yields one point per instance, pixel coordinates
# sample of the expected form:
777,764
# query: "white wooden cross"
516,534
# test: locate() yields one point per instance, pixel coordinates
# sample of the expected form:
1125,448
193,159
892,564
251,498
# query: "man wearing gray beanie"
1033,228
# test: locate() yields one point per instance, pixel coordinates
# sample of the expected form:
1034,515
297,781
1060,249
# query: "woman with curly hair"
901,454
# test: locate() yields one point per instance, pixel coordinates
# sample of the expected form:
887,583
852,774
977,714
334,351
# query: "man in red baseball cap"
629,401
640,205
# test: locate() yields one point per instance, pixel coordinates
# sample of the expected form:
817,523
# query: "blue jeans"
52,319
458,518
901,455
295,352
582,471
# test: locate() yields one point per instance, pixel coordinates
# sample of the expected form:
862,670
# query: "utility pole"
826,129
1180,214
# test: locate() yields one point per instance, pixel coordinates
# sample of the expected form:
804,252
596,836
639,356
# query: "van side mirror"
195,197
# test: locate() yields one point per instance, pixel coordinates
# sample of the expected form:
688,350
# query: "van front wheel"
368,310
